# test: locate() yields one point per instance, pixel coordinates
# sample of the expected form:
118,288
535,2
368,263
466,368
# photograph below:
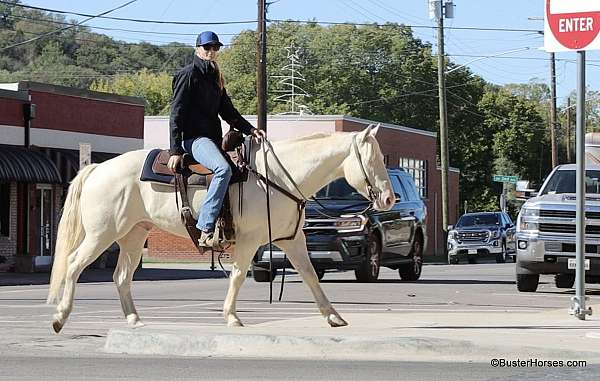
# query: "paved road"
27,340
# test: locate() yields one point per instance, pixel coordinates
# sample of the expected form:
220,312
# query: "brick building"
415,150
41,128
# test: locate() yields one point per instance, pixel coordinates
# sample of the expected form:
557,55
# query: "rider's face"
208,52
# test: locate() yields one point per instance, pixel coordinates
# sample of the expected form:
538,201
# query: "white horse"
108,203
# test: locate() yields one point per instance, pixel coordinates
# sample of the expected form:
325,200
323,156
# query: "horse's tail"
70,233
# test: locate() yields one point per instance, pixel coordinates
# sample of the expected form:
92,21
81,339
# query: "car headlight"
351,223
495,234
529,226
530,212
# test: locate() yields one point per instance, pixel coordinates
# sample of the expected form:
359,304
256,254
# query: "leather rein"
372,191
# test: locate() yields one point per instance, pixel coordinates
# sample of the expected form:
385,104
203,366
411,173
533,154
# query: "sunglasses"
214,47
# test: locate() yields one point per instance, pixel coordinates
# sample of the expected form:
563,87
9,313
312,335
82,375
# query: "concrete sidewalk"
409,336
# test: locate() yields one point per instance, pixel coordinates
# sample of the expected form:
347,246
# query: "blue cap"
208,37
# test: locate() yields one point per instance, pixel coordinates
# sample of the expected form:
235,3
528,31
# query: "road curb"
143,342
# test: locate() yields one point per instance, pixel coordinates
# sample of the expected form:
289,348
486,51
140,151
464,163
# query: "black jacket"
197,103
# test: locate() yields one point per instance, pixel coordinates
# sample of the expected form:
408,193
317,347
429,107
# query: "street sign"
571,25
505,179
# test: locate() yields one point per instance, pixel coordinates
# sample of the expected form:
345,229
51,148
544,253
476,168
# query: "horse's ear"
364,134
375,130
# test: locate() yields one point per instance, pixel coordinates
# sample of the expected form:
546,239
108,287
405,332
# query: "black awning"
26,165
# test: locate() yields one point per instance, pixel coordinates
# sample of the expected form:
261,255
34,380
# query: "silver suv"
476,235
546,230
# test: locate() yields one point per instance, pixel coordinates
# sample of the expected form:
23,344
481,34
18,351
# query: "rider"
199,97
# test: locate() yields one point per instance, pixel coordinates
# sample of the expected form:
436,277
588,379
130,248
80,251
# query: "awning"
26,165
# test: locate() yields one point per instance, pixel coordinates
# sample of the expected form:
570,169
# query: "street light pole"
553,110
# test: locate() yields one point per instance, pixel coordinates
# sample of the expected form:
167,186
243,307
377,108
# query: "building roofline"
390,126
84,93
11,94
335,117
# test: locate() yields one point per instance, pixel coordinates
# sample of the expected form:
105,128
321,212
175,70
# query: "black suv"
345,237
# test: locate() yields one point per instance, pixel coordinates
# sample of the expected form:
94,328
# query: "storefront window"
4,209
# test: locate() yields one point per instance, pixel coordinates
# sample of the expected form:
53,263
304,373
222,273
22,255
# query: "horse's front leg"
244,251
298,255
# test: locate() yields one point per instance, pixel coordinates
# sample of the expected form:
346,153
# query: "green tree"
155,88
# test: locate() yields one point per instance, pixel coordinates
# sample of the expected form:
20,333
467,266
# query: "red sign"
574,30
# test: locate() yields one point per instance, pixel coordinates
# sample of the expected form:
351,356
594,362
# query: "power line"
269,20
405,25
66,27
34,19
127,19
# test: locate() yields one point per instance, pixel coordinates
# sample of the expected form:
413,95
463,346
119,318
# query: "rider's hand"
259,134
173,163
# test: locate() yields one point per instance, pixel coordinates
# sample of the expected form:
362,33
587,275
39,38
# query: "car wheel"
262,275
564,280
528,282
412,271
472,260
501,257
320,274
453,260
369,269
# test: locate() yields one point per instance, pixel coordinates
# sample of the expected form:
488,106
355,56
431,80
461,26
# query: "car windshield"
563,181
478,219
339,190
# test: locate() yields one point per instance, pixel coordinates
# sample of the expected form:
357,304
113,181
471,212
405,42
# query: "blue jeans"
206,152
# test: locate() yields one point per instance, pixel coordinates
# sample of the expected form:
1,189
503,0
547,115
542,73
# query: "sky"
463,46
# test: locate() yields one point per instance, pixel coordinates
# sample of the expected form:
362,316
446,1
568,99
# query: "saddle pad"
159,166
158,158
148,173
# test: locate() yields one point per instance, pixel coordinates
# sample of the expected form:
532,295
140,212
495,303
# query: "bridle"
372,191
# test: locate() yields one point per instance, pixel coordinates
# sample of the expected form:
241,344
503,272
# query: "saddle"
193,174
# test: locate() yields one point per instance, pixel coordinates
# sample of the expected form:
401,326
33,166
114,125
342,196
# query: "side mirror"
450,227
398,197
528,195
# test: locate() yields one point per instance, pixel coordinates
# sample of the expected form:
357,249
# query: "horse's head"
364,170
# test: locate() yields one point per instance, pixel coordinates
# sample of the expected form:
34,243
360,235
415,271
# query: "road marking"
24,290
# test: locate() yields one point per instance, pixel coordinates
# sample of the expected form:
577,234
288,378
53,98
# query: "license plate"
472,251
572,264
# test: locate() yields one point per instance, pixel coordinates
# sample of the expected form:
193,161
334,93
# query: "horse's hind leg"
86,253
298,255
131,246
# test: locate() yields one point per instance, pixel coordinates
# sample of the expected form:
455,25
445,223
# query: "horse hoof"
57,326
134,321
336,321
235,323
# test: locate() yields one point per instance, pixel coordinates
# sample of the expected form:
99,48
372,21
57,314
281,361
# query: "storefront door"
44,206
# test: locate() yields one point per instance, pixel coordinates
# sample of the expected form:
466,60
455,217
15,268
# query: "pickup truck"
347,236
546,230
481,234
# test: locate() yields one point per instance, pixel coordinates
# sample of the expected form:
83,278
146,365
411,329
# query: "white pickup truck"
546,230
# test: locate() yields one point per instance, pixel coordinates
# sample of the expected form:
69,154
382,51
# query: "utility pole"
568,130
261,69
553,110
438,9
